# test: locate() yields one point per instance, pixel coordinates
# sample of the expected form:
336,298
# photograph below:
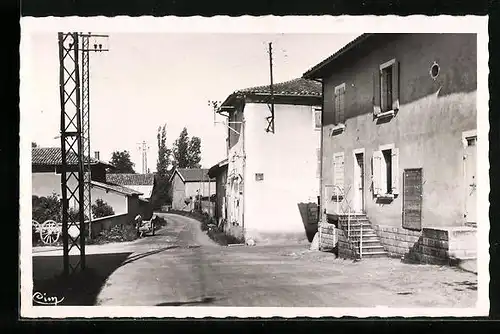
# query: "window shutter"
377,172
395,86
395,171
318,164
376,92
335,106
338,173
341,105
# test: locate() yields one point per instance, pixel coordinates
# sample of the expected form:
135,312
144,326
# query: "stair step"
373,254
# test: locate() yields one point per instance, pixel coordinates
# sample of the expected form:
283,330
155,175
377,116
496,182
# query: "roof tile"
131,179
52,156
295,87
194,174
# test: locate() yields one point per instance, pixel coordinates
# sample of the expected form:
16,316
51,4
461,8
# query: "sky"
150,79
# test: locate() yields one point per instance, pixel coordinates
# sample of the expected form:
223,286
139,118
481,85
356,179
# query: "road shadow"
145,254
80,288
204,301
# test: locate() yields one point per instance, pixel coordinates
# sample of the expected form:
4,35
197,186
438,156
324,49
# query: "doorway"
470,179
412,199
359,188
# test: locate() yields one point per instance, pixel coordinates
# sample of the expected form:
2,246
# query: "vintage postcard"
254,167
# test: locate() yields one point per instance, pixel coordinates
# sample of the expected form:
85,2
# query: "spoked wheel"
50,232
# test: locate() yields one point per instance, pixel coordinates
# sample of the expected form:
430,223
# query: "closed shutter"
395,171
377,172
395,86
338,173
341,97
376,92
318,162
335,107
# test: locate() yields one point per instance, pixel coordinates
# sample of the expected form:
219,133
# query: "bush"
118,233
45,208
101,209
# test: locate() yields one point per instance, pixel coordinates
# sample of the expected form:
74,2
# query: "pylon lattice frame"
86,130
72,172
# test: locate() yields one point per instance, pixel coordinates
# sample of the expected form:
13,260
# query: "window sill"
386,114
337,129
385,196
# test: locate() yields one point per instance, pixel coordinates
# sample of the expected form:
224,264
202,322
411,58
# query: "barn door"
412,199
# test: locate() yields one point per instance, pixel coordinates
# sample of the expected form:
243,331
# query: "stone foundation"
276,237
397,241
440,246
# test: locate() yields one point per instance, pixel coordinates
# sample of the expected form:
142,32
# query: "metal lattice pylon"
86,130
72,173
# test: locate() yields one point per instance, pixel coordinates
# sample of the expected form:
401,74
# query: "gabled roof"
131,179
192,174
295,87
51,156
314,72
308,91
116,188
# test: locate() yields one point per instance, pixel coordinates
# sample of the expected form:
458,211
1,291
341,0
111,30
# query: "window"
338,174
259,176
339,104
386,172
386,89
317,118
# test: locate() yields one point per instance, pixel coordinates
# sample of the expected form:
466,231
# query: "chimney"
96,155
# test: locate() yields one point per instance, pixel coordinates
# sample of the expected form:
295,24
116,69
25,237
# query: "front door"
359,172
412,199
470,179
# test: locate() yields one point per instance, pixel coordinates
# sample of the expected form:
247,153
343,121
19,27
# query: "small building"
187,185
46,163
219,173
399,142
143,183
273,167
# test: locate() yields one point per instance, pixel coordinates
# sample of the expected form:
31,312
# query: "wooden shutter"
376,93
318,163
377,172
395,86
335,107
395,171
341,110
338,172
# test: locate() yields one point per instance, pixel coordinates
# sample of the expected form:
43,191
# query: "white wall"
45,184
192,188
288,159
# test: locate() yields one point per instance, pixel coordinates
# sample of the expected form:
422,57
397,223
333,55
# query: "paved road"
180,265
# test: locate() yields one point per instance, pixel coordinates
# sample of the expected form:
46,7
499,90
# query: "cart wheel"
49,232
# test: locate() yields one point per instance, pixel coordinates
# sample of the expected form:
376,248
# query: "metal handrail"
341,191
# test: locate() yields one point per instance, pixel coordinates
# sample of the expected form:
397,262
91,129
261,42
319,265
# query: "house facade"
187,184
219,173
270,173
399,134
46,181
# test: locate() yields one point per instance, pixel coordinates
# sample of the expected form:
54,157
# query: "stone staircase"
361,233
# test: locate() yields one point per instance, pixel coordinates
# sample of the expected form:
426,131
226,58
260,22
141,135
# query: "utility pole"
270,119
85,86
75,142
143,147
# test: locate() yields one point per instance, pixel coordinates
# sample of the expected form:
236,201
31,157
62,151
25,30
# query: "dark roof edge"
313,72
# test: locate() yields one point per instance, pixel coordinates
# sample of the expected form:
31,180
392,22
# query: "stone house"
398,147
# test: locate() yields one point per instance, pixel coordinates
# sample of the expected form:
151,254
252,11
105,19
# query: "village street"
182,266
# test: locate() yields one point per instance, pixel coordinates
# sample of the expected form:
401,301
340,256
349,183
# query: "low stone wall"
397,241
328,236
444,246
106,223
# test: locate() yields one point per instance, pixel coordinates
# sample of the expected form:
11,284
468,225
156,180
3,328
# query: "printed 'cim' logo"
43,299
